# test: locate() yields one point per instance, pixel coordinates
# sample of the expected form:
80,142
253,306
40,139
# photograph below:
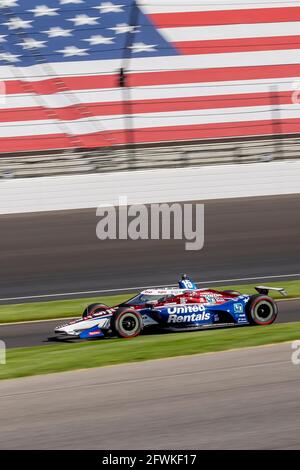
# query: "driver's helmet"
186,283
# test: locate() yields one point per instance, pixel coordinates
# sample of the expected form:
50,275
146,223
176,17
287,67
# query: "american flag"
195,70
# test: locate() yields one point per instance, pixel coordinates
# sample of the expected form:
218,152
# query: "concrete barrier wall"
182,184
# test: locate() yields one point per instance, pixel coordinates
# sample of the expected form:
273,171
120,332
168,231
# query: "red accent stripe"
44,142
160,78
175,133
222,46
147,106
54,85
223,17
207,131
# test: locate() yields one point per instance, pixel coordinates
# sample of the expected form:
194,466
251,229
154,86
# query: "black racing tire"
261,310
126,323
94,308
231,292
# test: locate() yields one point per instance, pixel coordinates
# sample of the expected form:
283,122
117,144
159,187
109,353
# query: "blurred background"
160,101
205,95
89,87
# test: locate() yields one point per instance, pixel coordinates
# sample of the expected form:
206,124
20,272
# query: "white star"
44,10
72,50
80,20
66,2
8,57
94,40
8,3
124,28
57,31
141,47
2,36
16,23
108,7
30,43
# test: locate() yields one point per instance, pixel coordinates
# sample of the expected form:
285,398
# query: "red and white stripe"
239,66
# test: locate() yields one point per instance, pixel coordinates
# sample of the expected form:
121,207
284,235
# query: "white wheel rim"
263,315
129,323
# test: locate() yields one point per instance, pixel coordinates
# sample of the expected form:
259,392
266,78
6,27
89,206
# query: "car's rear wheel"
261,310
94,308
127,323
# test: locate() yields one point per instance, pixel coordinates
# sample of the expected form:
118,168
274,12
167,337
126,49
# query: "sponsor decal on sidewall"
187,314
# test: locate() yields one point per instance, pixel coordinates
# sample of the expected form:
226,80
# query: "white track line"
127,289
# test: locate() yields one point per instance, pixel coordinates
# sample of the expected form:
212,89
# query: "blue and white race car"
174,309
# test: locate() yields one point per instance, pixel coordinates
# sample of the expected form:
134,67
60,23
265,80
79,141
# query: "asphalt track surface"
58,252
37,333
245,399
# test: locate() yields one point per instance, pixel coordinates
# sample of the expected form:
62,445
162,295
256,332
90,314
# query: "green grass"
74,308
53,309
62,357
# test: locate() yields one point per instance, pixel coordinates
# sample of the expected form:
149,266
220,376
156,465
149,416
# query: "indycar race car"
174,309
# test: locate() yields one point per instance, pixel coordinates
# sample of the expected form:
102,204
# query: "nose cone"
66,329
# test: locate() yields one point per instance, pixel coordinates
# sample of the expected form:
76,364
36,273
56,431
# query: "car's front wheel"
94,308
261,310
127,323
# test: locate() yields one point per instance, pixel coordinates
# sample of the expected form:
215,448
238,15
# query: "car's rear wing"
264,290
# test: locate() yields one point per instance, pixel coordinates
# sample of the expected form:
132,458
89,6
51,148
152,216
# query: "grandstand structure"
101,85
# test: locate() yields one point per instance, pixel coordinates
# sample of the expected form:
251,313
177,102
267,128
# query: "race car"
174,309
